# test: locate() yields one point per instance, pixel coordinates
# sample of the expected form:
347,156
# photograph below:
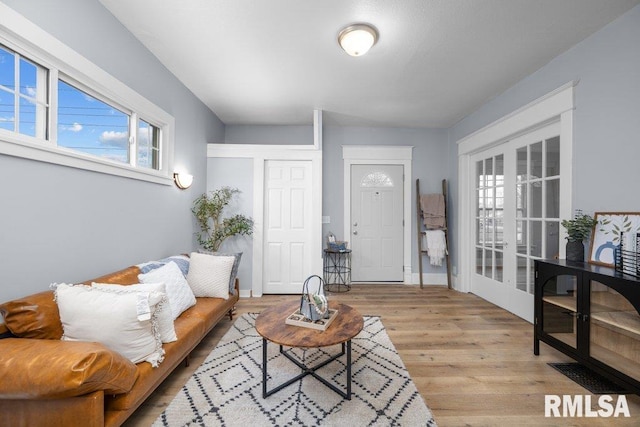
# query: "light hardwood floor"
472,362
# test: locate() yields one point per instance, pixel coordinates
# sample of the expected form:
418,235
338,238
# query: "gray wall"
262,134
430,165
65,224
606,120
236,173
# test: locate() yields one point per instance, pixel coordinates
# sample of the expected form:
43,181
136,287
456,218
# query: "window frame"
34,44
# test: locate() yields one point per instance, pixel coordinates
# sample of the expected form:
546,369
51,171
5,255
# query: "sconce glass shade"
357,39
183,180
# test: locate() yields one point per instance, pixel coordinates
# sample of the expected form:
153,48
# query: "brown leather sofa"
45,381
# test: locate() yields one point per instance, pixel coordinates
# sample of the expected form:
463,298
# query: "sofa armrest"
36,368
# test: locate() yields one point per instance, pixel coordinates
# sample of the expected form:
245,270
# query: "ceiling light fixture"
357,39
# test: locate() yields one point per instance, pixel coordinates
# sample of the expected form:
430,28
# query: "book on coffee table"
297,319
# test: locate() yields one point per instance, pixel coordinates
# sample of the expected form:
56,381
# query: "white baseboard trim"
430,278
245,293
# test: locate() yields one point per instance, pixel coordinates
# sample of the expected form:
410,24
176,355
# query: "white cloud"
31,91
114,139
7,119
76,127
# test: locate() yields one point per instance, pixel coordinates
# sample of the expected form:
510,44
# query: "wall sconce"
357,39
183,180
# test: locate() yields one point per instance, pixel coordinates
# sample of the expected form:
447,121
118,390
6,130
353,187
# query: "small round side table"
336,266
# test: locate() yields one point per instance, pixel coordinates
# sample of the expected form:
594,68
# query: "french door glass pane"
536,160
536,242
488,263
479,262
521,273
552,198
553,156
522,166
552,247
535,190
479,175
500,170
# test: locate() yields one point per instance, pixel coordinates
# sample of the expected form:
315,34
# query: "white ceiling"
274,62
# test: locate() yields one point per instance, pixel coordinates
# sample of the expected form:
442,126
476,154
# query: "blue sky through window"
89,125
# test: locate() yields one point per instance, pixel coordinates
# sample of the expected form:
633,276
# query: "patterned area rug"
226,390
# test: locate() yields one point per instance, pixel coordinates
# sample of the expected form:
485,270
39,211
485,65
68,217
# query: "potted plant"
208,210
578,229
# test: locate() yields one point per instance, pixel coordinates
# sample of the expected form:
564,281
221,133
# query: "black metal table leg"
307,371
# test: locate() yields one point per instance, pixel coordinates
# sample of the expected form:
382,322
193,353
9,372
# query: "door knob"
355,232
355,224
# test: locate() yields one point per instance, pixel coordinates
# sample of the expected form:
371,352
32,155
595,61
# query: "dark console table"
590,313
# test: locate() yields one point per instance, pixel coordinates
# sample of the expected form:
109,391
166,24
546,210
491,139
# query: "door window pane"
488,171
552,198
553,156
479,262
536,160
479,174
552,248
521,273
521,237
521,201
498,275
488,263
521,167
499,163
535,191
535,241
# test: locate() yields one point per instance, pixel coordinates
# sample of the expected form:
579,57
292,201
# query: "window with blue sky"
85,121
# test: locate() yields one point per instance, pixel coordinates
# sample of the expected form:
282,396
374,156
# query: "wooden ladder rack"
421,231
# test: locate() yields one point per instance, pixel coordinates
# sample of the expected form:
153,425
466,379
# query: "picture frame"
606,235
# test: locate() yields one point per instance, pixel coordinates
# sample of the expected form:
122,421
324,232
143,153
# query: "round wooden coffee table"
271,325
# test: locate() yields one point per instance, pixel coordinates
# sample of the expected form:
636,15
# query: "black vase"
575,250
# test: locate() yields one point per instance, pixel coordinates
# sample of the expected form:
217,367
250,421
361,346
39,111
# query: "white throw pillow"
165,318
209,275
178,291
125,322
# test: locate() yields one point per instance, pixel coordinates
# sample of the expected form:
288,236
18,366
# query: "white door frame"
260,154
381,155
556,104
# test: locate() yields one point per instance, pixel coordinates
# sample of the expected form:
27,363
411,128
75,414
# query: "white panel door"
517,216
288,228
377,223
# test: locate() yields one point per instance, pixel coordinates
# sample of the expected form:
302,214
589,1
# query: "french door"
516,217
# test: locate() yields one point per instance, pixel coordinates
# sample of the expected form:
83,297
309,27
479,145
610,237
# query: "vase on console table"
575,250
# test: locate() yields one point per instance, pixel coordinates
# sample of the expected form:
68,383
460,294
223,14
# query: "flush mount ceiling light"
357,39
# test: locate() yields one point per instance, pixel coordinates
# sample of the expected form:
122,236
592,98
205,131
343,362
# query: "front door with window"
377,223
517,216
